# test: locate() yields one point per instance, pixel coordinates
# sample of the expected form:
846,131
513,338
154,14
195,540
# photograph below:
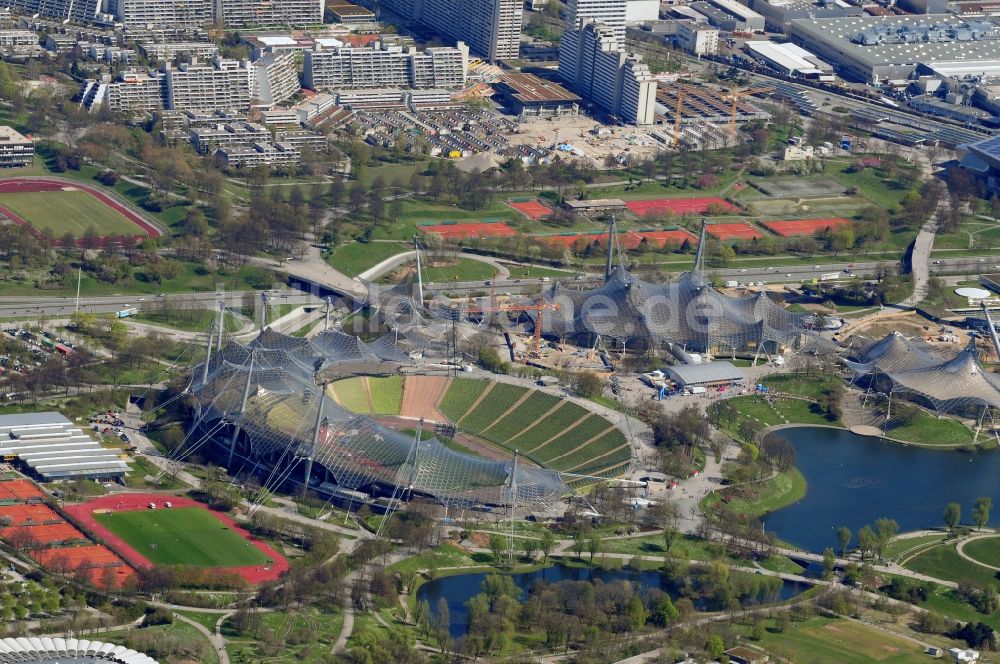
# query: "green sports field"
68,211
182,536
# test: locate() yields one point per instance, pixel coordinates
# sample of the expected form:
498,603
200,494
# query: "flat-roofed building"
274,78
13,39
50,447
346,12
254,13
222,84
778,14
187,14
530,95
881,49
791,60
78,11
594,64
491,28
171,50
386,66
228,134
697,38
15,148
707,374
258,154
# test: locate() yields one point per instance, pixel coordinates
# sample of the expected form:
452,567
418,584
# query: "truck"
732,284
829,276
126,312
846,142
697,389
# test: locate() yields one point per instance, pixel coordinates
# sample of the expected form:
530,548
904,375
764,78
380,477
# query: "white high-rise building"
222,84
258,13
178,14
491,28
384,66
273,79
594,65
609,13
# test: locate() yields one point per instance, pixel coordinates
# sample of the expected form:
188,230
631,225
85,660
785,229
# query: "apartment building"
170,50
610,13
221,84
386,66
491,28
131,93
15,148
258,154
594,65
227,135
183,14
254,13
81,11
273,79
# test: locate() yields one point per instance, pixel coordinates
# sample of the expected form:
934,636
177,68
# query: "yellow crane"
735,96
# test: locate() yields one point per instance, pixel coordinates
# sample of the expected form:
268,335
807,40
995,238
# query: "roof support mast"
420,278
315,440
222,309
993,330
612,234
208,353
243,409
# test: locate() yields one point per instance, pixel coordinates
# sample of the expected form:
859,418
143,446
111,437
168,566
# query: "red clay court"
18,490
679,205
35,185
84,514
49,533
531,209
792,227
478,229
24,515
734,231
628,239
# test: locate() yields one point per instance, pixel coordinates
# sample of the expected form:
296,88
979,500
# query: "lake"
853,480
459,589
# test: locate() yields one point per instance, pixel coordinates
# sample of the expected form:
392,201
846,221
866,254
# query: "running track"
30,185
128,502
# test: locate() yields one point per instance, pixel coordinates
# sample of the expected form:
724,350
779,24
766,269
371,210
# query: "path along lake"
457,590
853,480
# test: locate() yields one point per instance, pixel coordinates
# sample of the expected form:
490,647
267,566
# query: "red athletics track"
31,185
130,502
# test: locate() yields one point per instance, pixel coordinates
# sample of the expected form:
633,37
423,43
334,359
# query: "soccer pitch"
68,211
182,536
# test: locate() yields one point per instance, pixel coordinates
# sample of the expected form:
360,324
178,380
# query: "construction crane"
538,307
735,96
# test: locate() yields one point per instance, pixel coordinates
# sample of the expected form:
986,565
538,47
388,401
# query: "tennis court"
734,231
802,187
680,206
18,490
479,229
25,515
43,533
532,209
792,227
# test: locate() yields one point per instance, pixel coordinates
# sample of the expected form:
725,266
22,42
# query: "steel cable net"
684,312
280,420
950,382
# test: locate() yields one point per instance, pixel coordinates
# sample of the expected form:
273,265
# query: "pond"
459,589
853,480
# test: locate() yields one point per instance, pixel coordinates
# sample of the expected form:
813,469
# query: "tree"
866,540
829,562
546,544
587,384
714,646
981,509
594,545
497,546
635,613
885,530
844,538
952,516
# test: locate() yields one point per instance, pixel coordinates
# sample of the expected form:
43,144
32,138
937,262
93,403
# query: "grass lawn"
828,641
684,547
387,394
305,635
352,394
68,211
183,536
799,384
354,258
758,499
926,429
462,269
986,550
943,562
904,545
194,320
529,271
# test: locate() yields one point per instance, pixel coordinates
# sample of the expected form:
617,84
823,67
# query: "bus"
126,312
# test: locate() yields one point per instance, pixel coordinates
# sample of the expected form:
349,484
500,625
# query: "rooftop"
843,31
55,448
709,372
348,9
11,135
528,88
